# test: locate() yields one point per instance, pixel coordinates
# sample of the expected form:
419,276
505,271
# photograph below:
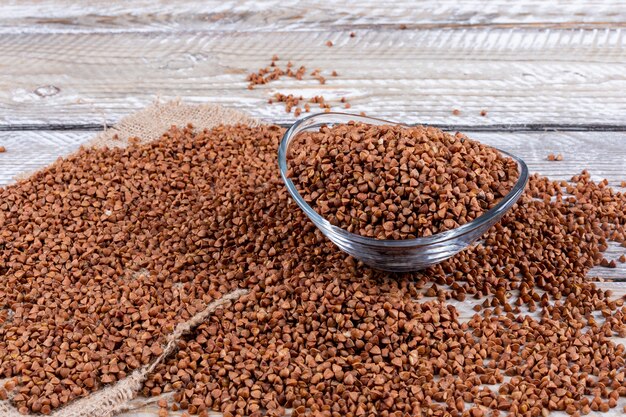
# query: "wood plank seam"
508,128
50,16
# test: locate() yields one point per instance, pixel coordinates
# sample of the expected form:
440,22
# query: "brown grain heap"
106,251
391,182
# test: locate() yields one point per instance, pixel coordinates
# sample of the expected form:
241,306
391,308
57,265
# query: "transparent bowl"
394,255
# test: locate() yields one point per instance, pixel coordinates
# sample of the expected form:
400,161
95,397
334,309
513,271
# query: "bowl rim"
302,124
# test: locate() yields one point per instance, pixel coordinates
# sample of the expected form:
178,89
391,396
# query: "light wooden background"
550,74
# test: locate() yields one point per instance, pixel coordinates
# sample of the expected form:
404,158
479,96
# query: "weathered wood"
603,154
518,76
144,15
30,151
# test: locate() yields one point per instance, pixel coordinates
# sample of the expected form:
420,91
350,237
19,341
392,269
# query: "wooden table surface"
551,75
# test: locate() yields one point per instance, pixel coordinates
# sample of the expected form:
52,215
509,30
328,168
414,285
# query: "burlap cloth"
150,123
146,125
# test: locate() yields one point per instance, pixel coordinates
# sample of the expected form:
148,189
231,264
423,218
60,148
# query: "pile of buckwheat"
106,251
393,182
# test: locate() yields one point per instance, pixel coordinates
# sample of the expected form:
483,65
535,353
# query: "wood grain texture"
518,76
47,16
603,154
30,151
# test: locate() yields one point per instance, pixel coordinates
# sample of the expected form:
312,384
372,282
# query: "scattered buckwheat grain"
273,72
107,250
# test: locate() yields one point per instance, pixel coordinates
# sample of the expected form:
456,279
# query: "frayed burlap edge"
150,123
146,125
116,398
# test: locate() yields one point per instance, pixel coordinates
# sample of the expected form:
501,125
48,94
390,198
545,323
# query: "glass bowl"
394,255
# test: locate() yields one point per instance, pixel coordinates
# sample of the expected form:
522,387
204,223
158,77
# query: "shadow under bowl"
394,255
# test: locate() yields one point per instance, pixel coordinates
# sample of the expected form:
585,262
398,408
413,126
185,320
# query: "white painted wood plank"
30,151
518,76
602,153
46,16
